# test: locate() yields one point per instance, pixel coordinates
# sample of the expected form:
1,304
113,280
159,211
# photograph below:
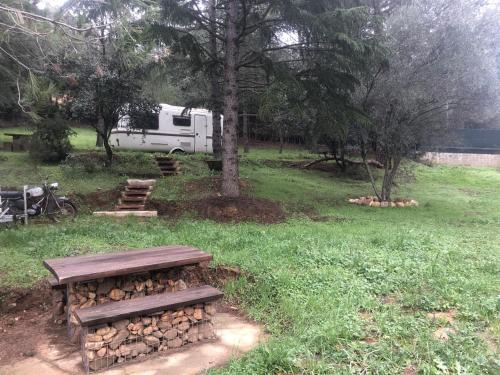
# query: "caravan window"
150,122
182,121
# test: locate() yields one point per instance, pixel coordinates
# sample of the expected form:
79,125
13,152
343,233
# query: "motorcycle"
40,200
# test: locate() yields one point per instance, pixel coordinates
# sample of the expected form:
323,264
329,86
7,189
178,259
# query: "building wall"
470,160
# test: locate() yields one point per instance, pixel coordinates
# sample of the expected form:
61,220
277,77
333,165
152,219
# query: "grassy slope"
312,279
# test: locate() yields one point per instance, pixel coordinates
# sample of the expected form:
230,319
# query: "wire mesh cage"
86,294
123,341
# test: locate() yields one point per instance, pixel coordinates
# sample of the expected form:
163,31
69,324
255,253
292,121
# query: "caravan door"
200,133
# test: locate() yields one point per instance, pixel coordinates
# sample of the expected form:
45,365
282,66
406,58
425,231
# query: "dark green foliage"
50,141
132,164
143,114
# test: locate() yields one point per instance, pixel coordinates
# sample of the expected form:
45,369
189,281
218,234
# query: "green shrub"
50,141
132,164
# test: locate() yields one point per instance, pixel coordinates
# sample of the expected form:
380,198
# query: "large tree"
439,58
253,36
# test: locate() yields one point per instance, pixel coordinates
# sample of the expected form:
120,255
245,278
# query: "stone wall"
87,294
114,343
470,160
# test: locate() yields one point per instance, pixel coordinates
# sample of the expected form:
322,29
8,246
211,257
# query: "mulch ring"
224,210
209,186
26,315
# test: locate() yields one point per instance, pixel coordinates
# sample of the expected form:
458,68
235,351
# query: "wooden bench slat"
113,311
90,267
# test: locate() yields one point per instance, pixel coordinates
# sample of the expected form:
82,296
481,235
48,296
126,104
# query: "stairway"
135,195
168,165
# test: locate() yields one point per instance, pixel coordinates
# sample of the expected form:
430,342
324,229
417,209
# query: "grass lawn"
347,295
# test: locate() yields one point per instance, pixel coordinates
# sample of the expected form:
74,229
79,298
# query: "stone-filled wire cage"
111,344
91,293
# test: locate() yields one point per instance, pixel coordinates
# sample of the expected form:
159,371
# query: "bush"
132,164
50,141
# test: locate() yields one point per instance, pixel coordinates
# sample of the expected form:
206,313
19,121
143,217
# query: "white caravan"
174,131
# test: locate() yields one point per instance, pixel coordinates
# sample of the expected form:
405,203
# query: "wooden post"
25,205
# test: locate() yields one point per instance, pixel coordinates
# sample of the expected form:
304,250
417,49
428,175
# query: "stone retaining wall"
87,294
111,344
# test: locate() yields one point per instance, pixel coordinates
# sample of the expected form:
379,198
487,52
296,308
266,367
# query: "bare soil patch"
389,299
354,171
410,370
443,333
210,204
26,316
98,200
25,321
209,186
447,316
224,210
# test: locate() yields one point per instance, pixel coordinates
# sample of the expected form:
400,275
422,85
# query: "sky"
51,3
57,3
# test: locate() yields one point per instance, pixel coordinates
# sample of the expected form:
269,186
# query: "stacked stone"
87,294
128,339
59,305
375,202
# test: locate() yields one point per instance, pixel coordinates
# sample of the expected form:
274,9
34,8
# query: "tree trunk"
364,154
214,85
390,169
230,173
216,134
104,135
280,135
100,129
246,148
109,151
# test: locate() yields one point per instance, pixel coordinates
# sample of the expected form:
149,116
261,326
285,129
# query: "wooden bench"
141,287
91,267
111,312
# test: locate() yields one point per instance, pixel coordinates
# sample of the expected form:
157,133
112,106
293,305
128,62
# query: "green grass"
318,287
83,139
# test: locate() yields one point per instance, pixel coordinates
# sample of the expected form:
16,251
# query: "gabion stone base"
111,344
82,295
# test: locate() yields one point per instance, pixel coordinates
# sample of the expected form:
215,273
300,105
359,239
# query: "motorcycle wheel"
67,211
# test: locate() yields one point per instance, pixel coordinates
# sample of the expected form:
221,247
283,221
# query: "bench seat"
110,312
91,267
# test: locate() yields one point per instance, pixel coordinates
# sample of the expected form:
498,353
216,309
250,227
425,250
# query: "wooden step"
130,194
168,169
130,207
132,200
169,166
170,173
134,183
167,162
137,190
124,213
164,158
111,312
